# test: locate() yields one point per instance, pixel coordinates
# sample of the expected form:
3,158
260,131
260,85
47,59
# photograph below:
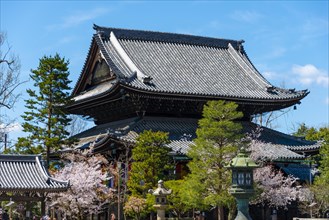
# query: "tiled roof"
26,173
302,171
182,132
315,146
278,152
186,65
279,138
165,37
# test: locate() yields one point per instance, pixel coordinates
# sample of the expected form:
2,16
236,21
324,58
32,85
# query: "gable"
100,73
95,71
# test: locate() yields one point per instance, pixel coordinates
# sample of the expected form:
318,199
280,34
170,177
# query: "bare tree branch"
10,67
9,74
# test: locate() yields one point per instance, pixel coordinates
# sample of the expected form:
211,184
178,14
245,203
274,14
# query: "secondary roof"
181,132
26,173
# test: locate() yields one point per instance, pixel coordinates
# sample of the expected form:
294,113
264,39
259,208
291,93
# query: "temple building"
24,179
140,80
136,80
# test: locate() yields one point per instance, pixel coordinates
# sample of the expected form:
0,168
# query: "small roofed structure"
25,178
161,203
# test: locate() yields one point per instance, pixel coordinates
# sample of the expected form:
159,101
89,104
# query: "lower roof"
181,134
301,171
26,173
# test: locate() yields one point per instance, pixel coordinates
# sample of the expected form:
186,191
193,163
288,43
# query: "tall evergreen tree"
151,162
218,135
45,118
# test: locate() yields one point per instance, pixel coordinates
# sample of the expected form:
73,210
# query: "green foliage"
193,192
151,162
321,134
176,199
218,136
45,118
301,131
321,183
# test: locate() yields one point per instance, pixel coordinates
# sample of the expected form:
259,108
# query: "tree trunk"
220,212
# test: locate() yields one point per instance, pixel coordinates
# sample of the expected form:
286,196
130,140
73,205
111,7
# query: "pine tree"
218,135
45,118
151,162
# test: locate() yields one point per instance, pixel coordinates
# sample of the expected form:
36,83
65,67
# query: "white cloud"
246,16
13,127
309,74
269,75
78,18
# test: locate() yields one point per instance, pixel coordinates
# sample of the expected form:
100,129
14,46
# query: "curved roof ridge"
144,35
255,75
46,175
126,59
76,87
247,60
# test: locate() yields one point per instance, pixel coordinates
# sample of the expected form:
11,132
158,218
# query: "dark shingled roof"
25,173
181,134
186,65
302,171
141,35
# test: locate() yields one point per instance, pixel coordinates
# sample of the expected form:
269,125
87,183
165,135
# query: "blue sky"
287,41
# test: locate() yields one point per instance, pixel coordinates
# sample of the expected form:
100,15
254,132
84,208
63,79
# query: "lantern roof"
160,191
242,161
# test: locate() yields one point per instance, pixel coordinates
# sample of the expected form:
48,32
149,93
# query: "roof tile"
26,173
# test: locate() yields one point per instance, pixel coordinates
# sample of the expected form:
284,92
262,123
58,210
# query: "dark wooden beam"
21,198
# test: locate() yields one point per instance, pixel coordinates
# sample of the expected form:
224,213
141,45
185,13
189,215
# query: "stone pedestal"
243,209
161,211
242,199
160,194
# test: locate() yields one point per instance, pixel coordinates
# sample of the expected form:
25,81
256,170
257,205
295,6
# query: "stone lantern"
242,183
161,204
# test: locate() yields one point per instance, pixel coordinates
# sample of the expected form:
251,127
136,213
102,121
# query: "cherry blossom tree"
135,207
87,193
277,190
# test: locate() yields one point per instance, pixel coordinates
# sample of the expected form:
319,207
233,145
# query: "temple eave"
121,102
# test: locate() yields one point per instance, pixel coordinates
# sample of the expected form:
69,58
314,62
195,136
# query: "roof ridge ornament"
240,46
140,75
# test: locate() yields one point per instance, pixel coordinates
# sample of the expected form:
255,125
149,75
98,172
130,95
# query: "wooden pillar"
43,207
